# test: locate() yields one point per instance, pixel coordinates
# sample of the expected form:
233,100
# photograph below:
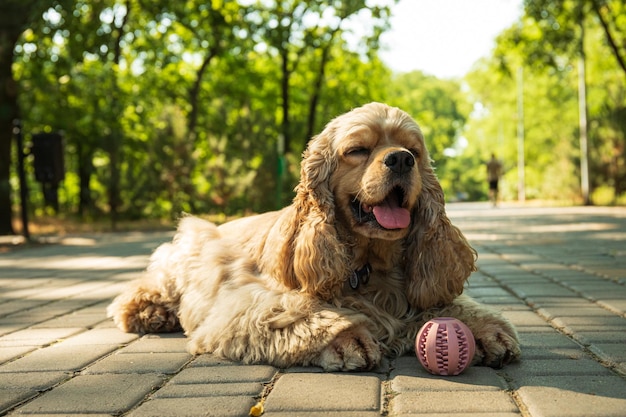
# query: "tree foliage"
199,106
174,106
546,43
15,18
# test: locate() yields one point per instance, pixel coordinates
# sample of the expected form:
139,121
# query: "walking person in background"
494,172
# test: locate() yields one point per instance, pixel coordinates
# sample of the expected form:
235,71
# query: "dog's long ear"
314,260
438,258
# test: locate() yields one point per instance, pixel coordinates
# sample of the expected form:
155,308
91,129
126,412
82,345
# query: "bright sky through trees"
445,37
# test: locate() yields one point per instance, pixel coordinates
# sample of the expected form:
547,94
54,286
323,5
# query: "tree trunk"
116,136
194,93
609,37
8,112
15,16
317,88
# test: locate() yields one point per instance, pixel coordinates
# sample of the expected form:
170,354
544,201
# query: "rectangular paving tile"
575,301
159,343
8,325
335,413
601,336
9,353
555,353
613,352
86,317
204,406
564,366
490,291
39,381
549,340
140,363
324,392
85,394
11,397
224,374
58,358
502,303
17,307
524,318
614,304
101,337
473,379
578,310
409,375
573,396
251,389
544,329
37,337
541,290
17,387
451,402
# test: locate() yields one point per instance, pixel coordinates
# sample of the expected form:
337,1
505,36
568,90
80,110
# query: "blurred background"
128,110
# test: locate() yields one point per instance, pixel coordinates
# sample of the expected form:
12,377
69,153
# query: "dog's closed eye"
415,152
358,151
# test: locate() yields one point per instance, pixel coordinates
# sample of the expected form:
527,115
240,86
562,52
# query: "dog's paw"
157,319
352,349
143,317
496,346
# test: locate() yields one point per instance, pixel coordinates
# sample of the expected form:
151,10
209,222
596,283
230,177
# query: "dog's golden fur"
273,288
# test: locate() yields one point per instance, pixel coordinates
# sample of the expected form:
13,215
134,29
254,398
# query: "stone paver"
559,274
299,392
218,406
86,394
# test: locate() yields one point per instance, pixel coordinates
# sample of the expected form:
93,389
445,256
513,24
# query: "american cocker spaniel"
347,273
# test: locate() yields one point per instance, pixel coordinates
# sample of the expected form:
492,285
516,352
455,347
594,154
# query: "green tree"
547,49
559,22
189,37
291,30
550,119
15,17
176,107
570,28
69,62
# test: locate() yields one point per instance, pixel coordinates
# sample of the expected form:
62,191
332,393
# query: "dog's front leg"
254,324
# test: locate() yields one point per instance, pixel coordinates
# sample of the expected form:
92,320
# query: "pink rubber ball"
445,346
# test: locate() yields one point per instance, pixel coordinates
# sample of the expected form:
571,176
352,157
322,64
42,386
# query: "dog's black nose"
399,162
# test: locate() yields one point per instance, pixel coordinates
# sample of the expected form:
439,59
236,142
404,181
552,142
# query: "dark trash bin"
47,150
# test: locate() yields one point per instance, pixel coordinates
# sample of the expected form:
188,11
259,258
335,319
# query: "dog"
343,276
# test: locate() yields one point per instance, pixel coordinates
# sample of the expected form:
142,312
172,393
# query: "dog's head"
380,152
369,172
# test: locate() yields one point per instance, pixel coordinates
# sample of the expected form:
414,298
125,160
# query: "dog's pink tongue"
391,216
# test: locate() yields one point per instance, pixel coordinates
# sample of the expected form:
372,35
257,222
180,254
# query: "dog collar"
360,275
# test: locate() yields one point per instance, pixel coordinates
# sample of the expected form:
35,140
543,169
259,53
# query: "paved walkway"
558,274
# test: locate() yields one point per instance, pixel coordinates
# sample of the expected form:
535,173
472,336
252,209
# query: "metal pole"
21,155
582,121
521,187
282,167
